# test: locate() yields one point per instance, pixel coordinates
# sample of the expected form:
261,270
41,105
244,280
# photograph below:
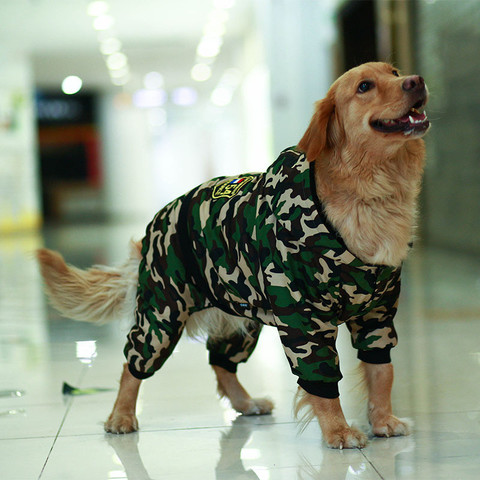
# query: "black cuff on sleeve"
139,375
221,361
376,356
320,389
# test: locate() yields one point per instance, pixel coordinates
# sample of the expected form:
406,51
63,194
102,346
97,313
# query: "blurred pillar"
299,37
127,154
395,33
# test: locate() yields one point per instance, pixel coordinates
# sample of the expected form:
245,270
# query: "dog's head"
371,106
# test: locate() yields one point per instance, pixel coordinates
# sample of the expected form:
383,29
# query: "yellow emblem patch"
230,188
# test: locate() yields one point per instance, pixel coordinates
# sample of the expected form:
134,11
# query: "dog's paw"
390,426
345,437
121,423
259,406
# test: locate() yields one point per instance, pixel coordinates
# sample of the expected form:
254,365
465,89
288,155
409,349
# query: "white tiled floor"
186,433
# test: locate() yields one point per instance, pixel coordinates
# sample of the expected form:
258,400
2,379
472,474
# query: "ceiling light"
117,61
120,72
110,45
221,96
95,9
214,29
120,81
103,22
211,43
153,80
71,85
146,98
120,77
209,47
201,72
184,96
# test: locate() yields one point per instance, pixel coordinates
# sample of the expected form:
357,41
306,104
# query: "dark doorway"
357,24
69,151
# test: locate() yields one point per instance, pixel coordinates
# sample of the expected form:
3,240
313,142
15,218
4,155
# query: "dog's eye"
395,72
365,86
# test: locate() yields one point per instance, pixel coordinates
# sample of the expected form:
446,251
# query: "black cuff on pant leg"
221,361
376,356
139,375
320,389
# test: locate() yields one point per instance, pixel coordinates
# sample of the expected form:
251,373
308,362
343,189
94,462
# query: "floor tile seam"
295,466
34,437
32,405
215,427
174,429
370,462
452,412
446,457
51,436
419,415
68,407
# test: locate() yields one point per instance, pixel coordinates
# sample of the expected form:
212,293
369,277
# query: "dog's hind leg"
225,354
123,419
241,401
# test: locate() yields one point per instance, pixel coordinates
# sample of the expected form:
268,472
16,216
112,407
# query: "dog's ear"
316,138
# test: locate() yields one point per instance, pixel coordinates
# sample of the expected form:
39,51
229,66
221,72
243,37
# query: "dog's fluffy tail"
99,294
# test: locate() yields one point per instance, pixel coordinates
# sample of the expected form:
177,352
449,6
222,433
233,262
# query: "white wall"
19,203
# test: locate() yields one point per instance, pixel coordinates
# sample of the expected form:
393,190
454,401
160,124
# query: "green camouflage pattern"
229,352
266,252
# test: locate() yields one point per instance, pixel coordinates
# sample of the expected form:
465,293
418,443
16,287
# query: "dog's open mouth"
413,122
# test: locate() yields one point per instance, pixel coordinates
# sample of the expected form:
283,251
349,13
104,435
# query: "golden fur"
368,180
99,294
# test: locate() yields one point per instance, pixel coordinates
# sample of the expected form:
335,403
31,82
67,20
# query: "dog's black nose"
413,83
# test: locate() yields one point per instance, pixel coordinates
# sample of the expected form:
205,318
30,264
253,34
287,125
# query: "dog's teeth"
411,119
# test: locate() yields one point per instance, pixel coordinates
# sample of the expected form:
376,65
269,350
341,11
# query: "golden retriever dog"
315,241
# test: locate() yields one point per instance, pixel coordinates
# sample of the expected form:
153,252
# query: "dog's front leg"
379,380
335,429
123,419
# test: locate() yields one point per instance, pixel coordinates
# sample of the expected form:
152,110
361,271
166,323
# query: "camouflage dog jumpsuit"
259,246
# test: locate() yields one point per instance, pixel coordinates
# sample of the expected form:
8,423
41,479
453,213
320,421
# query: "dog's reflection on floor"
391,451
229,465
126,448
232,449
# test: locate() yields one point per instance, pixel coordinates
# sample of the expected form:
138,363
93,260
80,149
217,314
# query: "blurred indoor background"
108,109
